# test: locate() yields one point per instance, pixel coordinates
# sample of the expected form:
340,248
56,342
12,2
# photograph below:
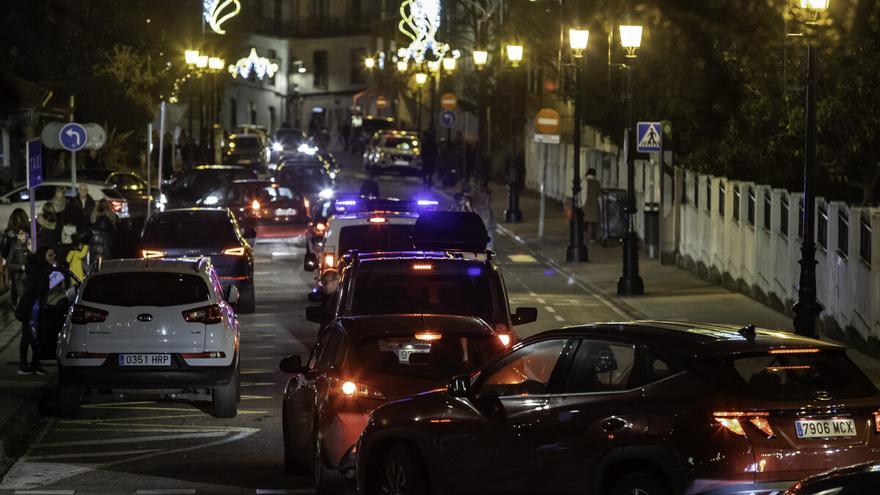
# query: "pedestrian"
59,202
48,226
16,248
482,206
591,205
30,308
429,157
81,207
76,258
103,230
187,150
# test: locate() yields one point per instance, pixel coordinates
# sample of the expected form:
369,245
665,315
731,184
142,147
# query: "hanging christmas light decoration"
261,67
419,22
216,12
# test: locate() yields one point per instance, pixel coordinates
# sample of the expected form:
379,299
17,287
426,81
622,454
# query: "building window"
233,113
273,56
273,119
721,193
750,206
319,62
822,227
708,195
865,239
358,72
252,113
737,196
843,233
768,205
783,216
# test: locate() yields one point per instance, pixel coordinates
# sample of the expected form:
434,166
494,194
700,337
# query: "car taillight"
503,332
236,251
320,227
117,205
359,390
328,260
152,253
204,355
84,314
877,422
255,205
378,220
732,421
208,315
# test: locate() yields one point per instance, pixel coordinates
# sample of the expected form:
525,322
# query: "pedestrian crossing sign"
649,137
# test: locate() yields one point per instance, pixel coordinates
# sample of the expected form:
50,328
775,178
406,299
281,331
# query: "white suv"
155,324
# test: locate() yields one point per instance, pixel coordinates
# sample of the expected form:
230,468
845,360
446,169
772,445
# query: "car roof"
369,214
253,181
191,212
372,326
405,256
696,339
194,266
217,167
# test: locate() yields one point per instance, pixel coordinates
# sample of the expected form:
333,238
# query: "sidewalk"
671,293
22,398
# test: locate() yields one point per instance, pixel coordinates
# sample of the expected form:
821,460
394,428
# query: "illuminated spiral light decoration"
216,12
419,22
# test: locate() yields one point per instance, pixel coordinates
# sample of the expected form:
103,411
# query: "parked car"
851,480
150,324
358,364
208,232
129,184
20,197
619,408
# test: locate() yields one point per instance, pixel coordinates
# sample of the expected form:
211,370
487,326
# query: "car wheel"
639,484
226,398
69,401
247,302
292,465
328,481
402,473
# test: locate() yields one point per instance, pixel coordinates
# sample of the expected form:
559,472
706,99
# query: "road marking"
257,371
44,492
522,258
549,309
558,318
258,384
167,491
255,397
541,301
113,453
109,441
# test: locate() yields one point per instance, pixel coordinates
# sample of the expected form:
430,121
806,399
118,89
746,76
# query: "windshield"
302,177
408,356
375,238
410,291
145,289
203,182
402,143
249,144
187,231
803,376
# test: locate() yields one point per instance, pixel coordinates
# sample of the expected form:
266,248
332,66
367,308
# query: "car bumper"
737,488
178,375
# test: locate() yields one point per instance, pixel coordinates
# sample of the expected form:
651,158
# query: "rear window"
409,291
408,356
111,193
189,231
803,376
248,143
145,289
375,237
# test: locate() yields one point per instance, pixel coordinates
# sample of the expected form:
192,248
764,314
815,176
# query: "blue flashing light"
347,202
428,202
474,271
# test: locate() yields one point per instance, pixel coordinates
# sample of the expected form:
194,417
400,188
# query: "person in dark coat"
48,226
30,308
16,262
103,230
80,208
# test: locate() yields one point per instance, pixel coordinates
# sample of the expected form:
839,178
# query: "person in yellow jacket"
76,260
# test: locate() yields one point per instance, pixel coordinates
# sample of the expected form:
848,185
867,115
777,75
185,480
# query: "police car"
156,324
449,272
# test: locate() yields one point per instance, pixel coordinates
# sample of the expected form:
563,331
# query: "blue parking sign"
34,163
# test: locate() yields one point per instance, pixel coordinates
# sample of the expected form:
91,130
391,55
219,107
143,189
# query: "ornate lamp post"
630,283
577,250
481,58
421,79
807,308
513,214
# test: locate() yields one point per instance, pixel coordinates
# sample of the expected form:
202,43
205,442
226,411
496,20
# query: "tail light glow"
349,388
204,355
807,350
505,339
877,422
422,267
151,253
732,424
359,390
117,205
255,205
235,251
83,314
209,315
378,220
503,332
329,260
428,336
730,420
320,227
763,426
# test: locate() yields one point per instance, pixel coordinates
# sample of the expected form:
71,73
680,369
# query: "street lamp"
577,249
421,79
807,308
370,63
202,61
480,59
191,57
449,64
513,214
402,66
630,283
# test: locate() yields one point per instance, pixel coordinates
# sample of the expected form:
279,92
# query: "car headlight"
332,175
326,193
277,147
163,199
212,200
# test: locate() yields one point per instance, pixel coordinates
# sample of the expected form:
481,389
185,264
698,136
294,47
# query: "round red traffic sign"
448,101
547,121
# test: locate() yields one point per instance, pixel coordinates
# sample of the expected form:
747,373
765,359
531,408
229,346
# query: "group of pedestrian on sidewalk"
70,233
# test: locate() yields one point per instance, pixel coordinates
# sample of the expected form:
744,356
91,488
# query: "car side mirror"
233,296
292,364
316,314
310,262
250,233
459,386
316,297
524,315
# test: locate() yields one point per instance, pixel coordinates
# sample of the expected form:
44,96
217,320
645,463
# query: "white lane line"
256,372
558,318
533,294
549,309
113,453
257,384
154,438
522,258
541,301
167,491
44,492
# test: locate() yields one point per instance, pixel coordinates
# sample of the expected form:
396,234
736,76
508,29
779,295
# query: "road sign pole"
73,168
577,250
630,283
543,210
161,144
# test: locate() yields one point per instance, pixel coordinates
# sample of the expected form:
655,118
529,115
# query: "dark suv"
621,408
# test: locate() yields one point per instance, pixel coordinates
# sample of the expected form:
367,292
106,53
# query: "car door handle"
613,424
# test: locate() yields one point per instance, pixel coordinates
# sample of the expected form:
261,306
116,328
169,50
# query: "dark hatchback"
129,184
621,408
246,150
210,232
307,177
203,185
260,204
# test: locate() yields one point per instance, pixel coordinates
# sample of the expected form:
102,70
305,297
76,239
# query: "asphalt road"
149,445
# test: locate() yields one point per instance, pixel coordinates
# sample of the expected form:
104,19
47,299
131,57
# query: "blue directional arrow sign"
73,137
447,118
649,137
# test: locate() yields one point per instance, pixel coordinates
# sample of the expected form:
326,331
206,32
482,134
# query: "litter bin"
612,205
652,228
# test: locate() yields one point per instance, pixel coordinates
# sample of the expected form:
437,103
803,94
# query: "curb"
17,432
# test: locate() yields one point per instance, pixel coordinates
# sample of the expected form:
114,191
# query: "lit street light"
449,64
577,250
807,308
481,58
421,79
370,63
402,66
631,283
513,214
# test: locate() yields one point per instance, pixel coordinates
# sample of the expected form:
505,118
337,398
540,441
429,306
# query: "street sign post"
447,118
73,137
34,156
649,137
448,101
547,124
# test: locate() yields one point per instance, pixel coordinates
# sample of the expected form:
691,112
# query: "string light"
216,12
253,63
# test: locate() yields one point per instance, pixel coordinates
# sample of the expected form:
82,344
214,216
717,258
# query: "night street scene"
436,247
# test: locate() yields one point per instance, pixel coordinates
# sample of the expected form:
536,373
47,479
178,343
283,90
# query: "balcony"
319,26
